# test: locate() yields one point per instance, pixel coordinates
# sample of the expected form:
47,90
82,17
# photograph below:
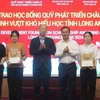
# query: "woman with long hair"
15,55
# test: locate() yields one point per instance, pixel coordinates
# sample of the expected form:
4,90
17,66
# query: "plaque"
14,56
87,60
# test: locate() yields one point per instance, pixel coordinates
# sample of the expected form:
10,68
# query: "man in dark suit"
41,48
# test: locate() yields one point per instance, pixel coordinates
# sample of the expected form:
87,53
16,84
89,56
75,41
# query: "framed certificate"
87,60
14,56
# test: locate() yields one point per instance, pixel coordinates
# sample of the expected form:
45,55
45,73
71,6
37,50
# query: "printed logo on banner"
26,2
90,2
62,2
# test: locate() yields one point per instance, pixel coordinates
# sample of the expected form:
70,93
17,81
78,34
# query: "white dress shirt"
91,49
42,40
99,55
67,57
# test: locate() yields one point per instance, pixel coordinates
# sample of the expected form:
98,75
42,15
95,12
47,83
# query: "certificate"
14,56
87,60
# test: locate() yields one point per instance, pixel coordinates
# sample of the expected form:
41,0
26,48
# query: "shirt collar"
64,41
90,45
41,37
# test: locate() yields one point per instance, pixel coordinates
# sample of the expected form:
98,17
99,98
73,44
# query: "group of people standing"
42,47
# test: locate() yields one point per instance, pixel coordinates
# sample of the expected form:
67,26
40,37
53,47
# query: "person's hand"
66,50
21,61
8,62
42,46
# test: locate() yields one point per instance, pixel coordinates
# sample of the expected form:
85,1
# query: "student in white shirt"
66,51
88,73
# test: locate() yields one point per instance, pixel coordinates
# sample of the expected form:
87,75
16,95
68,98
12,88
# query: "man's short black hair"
65,27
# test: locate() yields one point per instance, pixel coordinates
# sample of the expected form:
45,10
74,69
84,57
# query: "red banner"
26,15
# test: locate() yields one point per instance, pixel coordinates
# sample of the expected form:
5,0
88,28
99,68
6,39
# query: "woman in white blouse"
88,57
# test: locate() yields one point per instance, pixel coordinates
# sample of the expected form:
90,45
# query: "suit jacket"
42,56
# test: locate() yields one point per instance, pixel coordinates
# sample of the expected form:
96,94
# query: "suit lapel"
45,42
38,41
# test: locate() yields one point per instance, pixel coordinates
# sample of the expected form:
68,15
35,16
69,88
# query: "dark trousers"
43,73
15,80
88,78
67,75
1,78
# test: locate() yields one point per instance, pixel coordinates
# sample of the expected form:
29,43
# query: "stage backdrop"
26,15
